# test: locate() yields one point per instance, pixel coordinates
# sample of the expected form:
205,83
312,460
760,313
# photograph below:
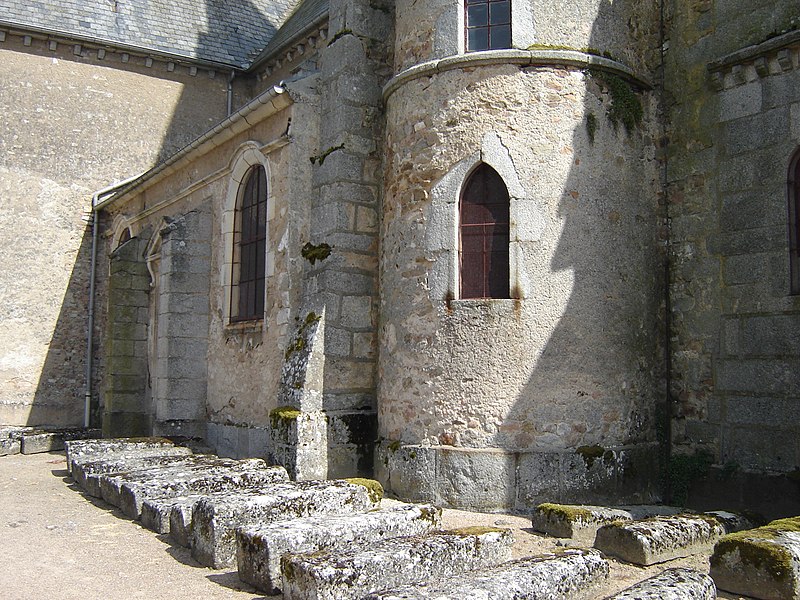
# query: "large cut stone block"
567,575
659,539
214,475
351,575
762,562
673,584
259,548
581,522
154,503
214,520
37,441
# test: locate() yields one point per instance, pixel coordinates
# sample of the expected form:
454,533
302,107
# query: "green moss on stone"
473,530
374,488
393,446
314,253
683,470
590,454
564,512
626,108
283,414
757,548
591,126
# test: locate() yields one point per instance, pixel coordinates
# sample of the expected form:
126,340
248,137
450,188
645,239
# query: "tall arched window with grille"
250,248
794,222
484,233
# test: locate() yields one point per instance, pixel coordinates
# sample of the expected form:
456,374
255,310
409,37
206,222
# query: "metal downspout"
230,93
96,198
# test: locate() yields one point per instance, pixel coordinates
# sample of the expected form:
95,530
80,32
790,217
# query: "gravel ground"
58,543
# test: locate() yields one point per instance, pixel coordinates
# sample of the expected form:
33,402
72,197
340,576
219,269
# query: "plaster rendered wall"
734,128
71,123
496,396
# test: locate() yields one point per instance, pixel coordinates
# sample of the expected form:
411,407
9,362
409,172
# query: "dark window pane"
499,13
477,15
477,39
501,36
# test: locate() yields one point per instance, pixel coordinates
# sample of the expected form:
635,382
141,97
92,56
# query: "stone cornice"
775,55
533,58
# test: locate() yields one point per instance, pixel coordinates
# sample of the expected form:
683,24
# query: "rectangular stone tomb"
762,562
659,539
157,502
214,475
679,583
98,449
568,575
214,520
350,575
581,522
259,547
34,442
87,474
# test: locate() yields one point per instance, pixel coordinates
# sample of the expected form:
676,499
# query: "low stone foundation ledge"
672,584
518,480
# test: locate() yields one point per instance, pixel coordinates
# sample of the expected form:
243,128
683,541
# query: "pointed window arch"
794,221
484,235
250,248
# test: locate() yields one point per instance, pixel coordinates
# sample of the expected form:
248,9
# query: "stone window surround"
248,155
442,234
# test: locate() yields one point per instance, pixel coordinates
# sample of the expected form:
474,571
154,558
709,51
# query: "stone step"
762,562
157,501
87,473
212,474
259,547
568,575
215,519
38,440
659,539
349,575
95,450
673,584
581,522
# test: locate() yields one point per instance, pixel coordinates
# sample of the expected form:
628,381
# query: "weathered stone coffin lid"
762,562
100,448
88,475
567,575
214,519
658,539
672,584
353,574
208,479
259,547
40,440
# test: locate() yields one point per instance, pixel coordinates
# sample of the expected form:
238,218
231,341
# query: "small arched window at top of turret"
484,231
793,195
488,24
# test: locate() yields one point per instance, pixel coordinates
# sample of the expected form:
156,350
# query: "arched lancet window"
249,248
484,232
488,24
794,221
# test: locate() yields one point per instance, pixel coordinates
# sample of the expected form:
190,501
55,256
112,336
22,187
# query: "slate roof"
230,32
308,13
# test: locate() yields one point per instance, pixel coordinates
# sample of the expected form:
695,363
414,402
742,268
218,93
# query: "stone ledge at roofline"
775,55
525,58
45,34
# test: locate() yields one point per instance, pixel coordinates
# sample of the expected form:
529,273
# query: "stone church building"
492,252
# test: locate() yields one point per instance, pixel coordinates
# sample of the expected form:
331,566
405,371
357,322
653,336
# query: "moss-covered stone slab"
349,575
38,440
672,584
655,540
568,575
259,548
215,519
581,522
762,562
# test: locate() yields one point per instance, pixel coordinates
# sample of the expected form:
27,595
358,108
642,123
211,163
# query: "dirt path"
58,543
